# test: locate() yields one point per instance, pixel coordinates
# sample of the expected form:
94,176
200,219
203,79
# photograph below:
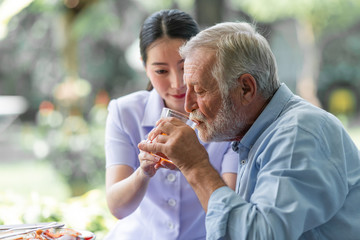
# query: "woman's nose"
177,80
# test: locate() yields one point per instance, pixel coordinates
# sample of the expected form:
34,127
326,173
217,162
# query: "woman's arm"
230,180
125,188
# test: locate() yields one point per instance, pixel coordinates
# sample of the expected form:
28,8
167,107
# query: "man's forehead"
192,70
192,66
198,62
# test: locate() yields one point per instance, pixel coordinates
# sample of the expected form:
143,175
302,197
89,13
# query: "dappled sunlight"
8,9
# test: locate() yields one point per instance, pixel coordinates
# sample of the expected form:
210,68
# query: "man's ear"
247,87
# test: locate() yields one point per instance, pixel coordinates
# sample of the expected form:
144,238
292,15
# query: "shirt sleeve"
298,187
120,148
231,217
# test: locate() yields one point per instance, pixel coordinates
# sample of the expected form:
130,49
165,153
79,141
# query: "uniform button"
171,225
172,202
171,177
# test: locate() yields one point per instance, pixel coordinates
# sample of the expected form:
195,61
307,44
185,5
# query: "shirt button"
243,161
171,225
172,202
171,177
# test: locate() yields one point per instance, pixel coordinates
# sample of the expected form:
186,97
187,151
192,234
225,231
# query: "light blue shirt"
170,208
298,178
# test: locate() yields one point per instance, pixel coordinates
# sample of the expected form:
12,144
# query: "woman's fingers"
147,163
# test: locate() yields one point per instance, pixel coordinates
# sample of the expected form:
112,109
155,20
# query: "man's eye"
199,92
161,71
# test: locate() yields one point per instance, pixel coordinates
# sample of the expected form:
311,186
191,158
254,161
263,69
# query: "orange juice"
162,156
167,112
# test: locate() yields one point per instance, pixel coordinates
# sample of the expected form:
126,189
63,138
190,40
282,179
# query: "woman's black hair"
166,23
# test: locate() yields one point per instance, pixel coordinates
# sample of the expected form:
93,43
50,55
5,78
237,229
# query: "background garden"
61,61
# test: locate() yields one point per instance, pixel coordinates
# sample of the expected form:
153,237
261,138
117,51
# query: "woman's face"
165,69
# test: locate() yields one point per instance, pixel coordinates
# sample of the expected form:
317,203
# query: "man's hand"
180,144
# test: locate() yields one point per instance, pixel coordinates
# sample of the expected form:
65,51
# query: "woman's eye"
161,71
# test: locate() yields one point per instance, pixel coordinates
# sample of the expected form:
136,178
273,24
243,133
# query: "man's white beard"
227,123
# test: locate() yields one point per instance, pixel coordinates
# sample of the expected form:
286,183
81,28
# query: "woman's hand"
178,142
148,163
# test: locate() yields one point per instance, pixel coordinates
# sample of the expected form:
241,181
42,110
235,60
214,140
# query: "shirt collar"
267,117
153,109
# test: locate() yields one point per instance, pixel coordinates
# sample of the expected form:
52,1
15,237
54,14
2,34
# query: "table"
10,108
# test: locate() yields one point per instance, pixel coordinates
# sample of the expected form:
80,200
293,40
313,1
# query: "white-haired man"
299,173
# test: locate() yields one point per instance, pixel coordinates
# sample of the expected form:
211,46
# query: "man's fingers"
168,165
164,126
148,146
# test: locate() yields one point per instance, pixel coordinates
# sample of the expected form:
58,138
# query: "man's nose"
190,101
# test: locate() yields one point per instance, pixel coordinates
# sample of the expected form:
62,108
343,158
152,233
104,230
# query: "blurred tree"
59,51
209,12
316,21
71,92
49,43
339,79
8,9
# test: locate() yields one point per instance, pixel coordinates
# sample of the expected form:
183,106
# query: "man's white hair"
239,49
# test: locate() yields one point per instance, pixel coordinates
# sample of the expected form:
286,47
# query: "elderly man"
299,173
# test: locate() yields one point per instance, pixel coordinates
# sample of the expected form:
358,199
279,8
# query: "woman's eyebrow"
158,63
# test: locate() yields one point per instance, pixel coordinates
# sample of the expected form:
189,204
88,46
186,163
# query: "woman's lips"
179,95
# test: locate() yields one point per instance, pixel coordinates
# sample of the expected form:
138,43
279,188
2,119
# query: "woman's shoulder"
136,100
127,112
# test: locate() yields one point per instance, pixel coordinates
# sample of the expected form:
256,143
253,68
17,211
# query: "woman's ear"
247,88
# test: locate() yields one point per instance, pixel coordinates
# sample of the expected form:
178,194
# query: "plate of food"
52,231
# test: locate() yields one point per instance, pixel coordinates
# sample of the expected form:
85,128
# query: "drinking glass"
167,112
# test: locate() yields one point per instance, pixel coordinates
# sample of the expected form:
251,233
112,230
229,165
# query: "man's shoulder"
308,117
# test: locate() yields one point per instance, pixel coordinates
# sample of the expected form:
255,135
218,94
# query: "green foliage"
340,61
341,58
324,15
154,5
31,58
73,145
101,19
41,6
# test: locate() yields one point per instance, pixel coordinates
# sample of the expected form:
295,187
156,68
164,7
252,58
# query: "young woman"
153,203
